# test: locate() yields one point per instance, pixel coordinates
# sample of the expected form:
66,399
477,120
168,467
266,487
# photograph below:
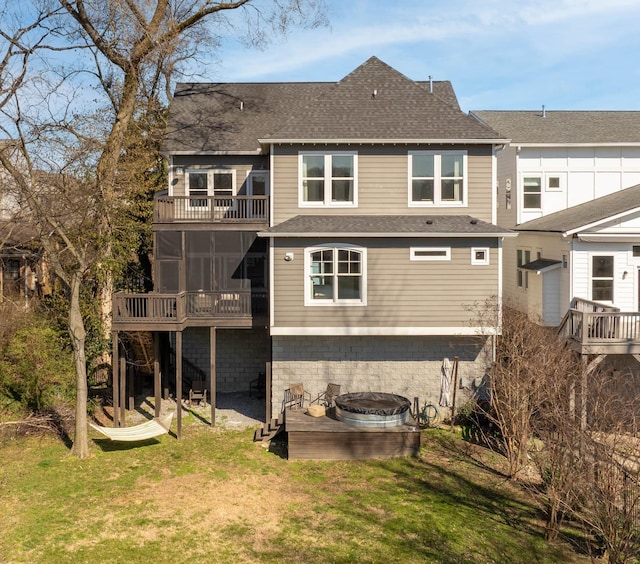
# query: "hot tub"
372,409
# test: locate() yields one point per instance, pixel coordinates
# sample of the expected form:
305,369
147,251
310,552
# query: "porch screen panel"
199,261
168,276
229,253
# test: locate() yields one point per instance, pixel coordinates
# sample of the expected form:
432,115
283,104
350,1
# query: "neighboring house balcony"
595,328
245,212
175,312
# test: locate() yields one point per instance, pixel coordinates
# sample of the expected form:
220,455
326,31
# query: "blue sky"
499,54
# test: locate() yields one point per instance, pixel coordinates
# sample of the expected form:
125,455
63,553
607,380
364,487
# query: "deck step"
269,431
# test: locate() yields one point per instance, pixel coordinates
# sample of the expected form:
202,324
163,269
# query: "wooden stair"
268,432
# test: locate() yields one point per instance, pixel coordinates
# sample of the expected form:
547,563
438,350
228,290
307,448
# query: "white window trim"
308,299
437,202
476,261
525,273
538,175
562,176
414,256
210,188
327,203
592,277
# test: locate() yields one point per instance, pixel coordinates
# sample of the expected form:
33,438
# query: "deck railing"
179,308
593,324
211,209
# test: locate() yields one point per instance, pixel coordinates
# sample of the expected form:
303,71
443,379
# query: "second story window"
328,179
200,184
532,192
437,178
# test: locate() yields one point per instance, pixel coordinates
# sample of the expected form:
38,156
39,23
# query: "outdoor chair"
198,392
295,396
258,385
327,398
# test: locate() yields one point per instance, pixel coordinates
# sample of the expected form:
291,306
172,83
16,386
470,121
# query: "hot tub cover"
373,403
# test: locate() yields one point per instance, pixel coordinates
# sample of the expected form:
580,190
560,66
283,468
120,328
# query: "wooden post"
455,386
157,378
212,374
115,378
123,389
268,382
179,381
131,387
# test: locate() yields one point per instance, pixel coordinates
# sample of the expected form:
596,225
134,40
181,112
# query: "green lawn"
219,497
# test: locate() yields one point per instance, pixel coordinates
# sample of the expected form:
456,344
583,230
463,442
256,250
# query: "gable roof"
232,117
386,226
564,127
588,214
377,103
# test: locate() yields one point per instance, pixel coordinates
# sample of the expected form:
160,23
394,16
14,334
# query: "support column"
157,377
212,372
115,378
267,385
123,389
179,381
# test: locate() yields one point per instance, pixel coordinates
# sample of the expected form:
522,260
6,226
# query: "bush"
37,368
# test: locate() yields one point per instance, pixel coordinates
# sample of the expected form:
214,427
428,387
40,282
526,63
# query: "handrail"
211,209
177,308
582,304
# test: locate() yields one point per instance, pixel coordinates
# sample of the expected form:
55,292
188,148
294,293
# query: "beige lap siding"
400,292
383,180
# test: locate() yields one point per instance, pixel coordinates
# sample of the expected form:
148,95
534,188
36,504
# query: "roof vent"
429,221
241,105
374,93
430,84
544,111
474,222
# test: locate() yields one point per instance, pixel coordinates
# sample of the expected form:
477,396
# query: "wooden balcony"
593,328
246,211
174,312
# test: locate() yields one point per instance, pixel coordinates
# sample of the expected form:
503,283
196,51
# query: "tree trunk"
78,338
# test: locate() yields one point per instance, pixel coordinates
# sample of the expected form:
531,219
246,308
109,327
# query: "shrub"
37,367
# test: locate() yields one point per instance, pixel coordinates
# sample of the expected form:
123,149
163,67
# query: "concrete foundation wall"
240,355
408,366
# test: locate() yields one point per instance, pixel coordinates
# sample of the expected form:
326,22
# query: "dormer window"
328,179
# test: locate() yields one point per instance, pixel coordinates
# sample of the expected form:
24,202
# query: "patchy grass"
218,496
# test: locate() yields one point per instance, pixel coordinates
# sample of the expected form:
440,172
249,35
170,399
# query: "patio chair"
295,396
327,398
258,385
198,392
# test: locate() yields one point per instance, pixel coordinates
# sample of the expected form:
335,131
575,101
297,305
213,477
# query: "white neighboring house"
569,184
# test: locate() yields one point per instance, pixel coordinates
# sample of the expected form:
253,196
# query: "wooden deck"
326,438
594,328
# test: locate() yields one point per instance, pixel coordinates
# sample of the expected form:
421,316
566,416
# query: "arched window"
336,275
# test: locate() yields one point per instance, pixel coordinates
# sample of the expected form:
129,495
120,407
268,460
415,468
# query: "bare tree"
73,181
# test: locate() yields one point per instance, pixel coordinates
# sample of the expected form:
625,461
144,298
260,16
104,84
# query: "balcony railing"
180,308
211,209
595,328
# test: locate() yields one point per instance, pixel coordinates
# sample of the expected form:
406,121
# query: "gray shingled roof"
541,264
587,127
385,225
582,215
231,117
377,102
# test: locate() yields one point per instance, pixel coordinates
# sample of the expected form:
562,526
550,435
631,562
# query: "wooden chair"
198,392
327,398
258,385
295,396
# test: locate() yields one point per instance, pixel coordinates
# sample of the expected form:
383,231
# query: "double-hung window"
602,278
328,179
437,178
532,192
335,275
524,257
201,184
